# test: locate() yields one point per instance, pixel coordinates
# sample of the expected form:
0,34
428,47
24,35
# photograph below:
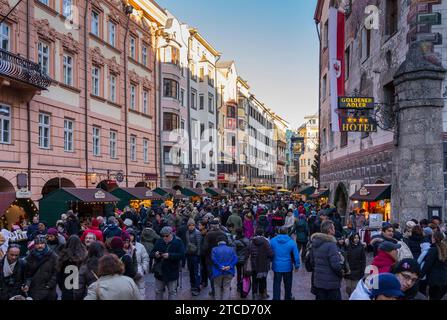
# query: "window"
44,130
96,141
343,139
112,144
68,135
201,101
211,129
182,97
44,57
5,124
193,99
182,127
389,97
112,33
231,112
133,148
194,130
324,87
210,103
308,162
366,43
202,130
95,81
146,150
392,17
133,93
170,121
133,47
145,101
347,62
172,55
193,72
4,36
202,74
167,155
326,34
211,77
144,55
231,140
45,2
95,23
203,160
68,70
112,90
66,8
170,88
309,175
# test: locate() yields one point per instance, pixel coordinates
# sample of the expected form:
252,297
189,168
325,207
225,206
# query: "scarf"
41,254
8,269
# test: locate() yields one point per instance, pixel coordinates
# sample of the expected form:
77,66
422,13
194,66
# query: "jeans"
327,294
278,277
194,271
160,289
222,285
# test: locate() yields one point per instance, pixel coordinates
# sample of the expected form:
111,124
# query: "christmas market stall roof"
229,191
138,193
372,192
168,192
57,202
193,192
307,191
320,194
6,198
214,192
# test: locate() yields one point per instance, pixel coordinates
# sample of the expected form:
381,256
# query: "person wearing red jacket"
386,257
94,228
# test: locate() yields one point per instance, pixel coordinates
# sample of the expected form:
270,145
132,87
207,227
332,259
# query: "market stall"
87,202
304,193
265,189
195,194
320,196
14,210
216,193
375,199
135,197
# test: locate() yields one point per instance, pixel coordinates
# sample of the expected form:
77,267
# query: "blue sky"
274,44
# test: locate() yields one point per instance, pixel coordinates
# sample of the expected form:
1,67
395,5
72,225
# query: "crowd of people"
220,241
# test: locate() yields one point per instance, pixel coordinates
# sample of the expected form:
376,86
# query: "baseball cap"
389,246
388,285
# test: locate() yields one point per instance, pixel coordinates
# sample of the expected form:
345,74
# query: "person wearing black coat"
356,257
12,282
414,241
241,245
130,266
435,267
40,271
261,255
168,253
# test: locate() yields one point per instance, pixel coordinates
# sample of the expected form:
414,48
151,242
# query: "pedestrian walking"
260,255
356,258
224,260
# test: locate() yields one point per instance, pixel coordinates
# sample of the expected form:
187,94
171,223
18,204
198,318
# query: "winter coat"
32,228
195,239
113,287
73,227
148,238
261,254
223,256
361,292
170,267
41,276
435,266
235,219
383,261
56,246
241,249
327,261
95,231
130,266
377,240
249,229
414,243
263,222
210,242
87,276
285,253
111,231
12,285
301,231
142,258
68,294
356,257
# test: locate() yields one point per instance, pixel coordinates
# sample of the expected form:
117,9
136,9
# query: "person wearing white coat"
142,262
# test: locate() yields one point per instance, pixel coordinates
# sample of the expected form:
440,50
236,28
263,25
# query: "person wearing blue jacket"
285,256
224,260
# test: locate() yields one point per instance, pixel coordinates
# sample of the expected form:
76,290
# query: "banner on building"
336,43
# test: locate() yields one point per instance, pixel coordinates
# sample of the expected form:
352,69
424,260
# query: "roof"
194,32
224,64
6,198
215,191
372,192
142,193
193,192
90,195
307,191
320,193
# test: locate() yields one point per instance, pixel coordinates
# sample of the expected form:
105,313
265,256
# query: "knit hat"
166,231
128,222
40,239
410,265
125,236
214,222
191,222
52,232
116,243
388,285
388,246
428,231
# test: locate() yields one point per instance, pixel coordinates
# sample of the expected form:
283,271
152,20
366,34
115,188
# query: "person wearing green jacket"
236,220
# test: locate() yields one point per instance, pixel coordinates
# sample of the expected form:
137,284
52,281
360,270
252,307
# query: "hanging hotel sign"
100,195
356,103
358,124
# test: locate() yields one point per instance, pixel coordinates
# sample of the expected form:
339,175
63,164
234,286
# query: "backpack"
309,262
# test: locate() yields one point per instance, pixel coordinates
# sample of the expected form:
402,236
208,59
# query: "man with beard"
11,273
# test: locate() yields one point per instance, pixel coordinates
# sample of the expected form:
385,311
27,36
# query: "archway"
140,184
56,183
6,186
341,199
107,185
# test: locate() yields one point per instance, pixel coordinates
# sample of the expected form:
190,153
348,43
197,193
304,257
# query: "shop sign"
100,195
357,103
433,18
363,191
23,193
150,176
358,124
119,177
221,177
149,193
375,220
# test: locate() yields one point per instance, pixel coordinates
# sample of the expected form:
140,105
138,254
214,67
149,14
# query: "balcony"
22,74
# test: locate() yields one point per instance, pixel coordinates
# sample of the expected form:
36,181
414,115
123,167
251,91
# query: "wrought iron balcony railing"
17,68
